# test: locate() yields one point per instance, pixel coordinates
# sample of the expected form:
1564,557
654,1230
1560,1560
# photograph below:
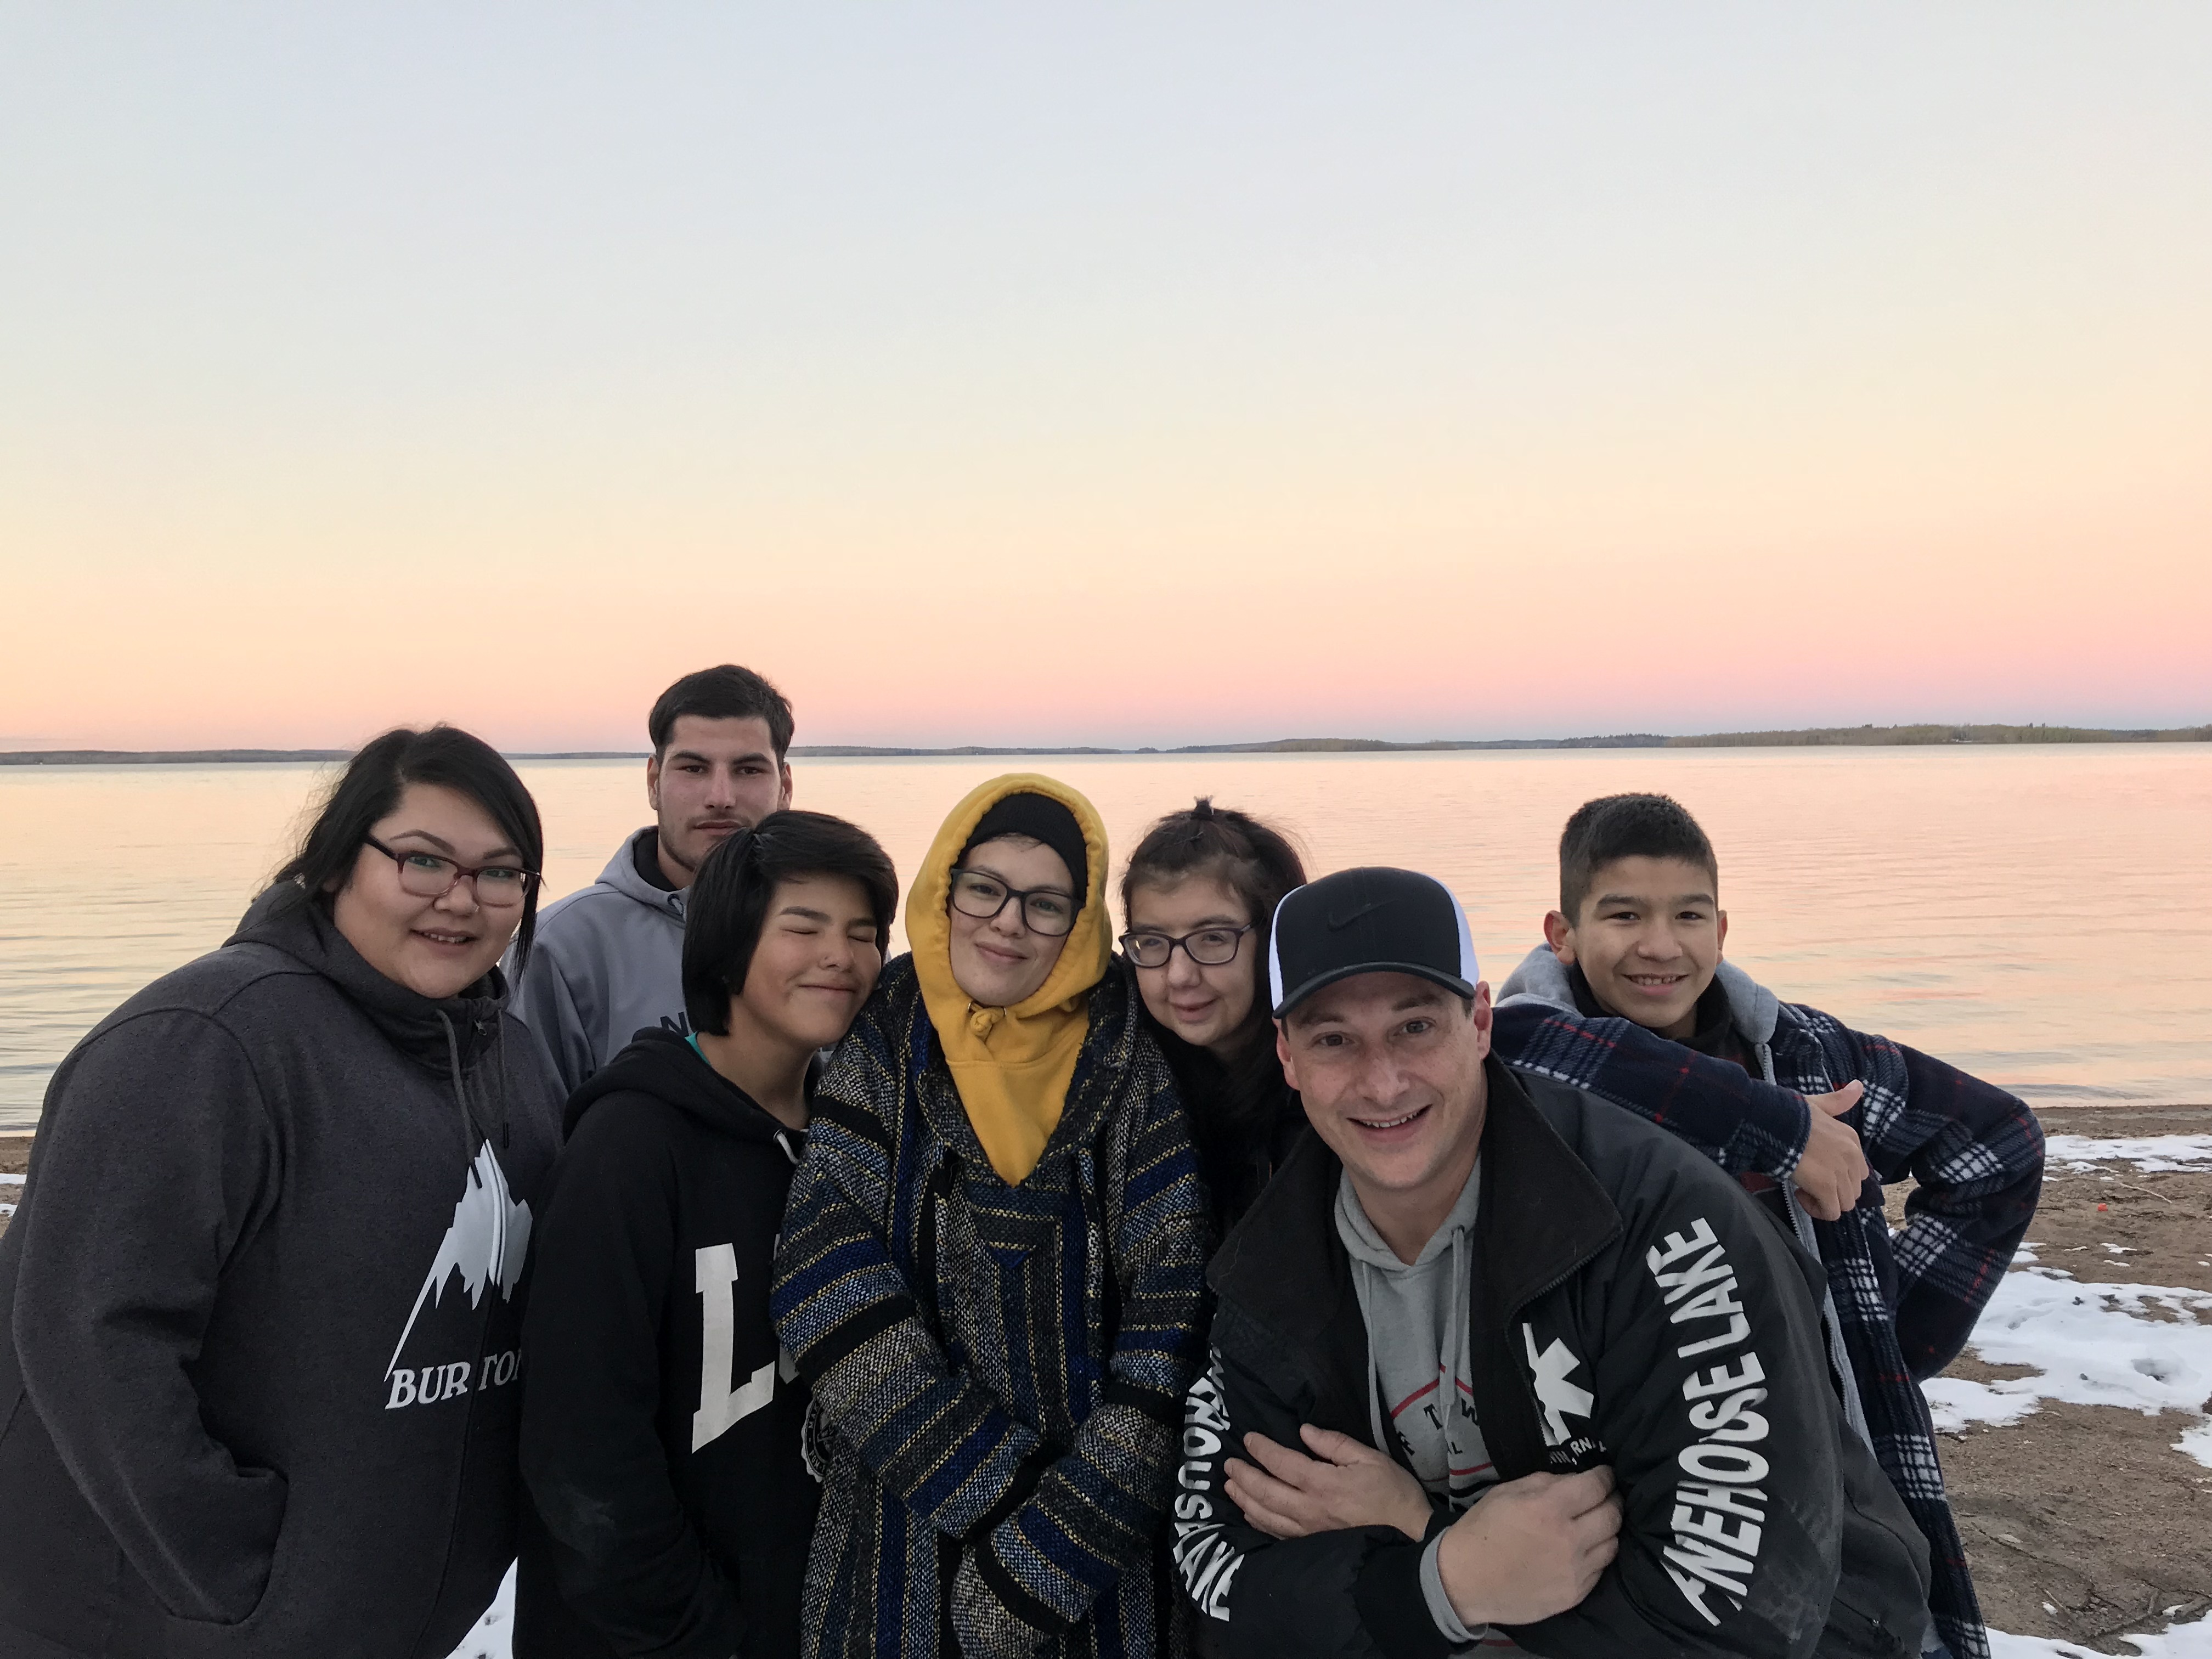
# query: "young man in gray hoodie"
609,961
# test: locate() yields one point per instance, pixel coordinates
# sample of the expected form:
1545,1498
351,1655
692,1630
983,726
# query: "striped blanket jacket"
1905,1303
1000,1370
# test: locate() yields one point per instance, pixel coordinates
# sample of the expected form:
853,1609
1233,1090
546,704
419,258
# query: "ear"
1283,1054
1559,935
1482,1014
783,800
1720,930
652,782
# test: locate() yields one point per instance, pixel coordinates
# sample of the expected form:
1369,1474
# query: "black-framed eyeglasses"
428,875
1044,910
1210,947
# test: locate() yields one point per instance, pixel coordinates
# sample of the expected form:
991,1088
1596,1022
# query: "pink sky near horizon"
1144,380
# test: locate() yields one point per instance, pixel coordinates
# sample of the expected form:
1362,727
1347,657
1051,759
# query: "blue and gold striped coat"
1000,1370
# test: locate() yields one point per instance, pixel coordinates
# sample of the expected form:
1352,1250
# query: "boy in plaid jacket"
1637,938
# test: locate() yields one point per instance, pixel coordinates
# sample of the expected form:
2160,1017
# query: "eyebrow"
502,851
1411,1000
1632,898
1202,923
1006,882
735,760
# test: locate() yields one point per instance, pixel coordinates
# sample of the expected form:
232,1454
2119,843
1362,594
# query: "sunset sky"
1149,375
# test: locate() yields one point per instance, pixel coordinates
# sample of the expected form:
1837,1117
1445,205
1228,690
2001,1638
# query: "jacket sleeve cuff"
1440,1607
1394,1605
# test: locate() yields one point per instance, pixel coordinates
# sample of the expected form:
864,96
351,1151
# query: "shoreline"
2176,1117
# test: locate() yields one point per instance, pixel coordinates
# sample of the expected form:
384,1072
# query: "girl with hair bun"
1199,893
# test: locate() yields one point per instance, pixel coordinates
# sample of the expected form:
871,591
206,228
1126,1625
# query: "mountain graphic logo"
485,1245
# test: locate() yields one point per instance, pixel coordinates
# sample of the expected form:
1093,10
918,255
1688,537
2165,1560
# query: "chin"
438,980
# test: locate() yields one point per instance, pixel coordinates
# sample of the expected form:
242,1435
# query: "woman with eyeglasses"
262,1293
990,1267
1199,893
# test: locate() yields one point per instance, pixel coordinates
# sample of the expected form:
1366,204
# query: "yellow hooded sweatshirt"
1011,1066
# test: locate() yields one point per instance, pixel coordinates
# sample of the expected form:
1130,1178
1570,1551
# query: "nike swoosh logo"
1337,922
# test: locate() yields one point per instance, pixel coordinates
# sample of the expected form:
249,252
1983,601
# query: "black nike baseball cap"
1372,921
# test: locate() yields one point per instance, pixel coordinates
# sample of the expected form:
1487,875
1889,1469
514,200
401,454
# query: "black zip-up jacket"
1243,1132
1632,1305
264,1311
661,1428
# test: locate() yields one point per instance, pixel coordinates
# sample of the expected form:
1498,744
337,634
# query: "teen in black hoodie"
662,1425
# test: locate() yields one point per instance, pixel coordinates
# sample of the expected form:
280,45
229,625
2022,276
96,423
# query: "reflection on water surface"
2038,915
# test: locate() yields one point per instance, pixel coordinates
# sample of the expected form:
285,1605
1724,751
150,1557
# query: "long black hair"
1257,862
370,789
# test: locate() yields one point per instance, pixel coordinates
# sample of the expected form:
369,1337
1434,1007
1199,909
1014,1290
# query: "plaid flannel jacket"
1906,1304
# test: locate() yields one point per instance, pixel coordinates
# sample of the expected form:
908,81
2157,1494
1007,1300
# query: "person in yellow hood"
991,1271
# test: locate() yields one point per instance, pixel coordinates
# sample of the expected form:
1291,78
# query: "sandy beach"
2085,1521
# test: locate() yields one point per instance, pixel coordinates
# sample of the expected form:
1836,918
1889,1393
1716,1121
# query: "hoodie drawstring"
1450,1360
499,1046
1363,1276
460,1093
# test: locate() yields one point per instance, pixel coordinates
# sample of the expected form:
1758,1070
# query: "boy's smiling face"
1648,937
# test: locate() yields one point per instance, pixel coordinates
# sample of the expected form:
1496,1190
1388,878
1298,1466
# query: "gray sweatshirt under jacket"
608,964
1420,1370
260,1313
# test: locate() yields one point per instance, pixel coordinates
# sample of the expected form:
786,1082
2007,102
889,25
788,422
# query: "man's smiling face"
1390,1067
1648,939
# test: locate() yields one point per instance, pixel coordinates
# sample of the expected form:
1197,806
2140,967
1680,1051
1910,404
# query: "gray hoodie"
1420,1370
1541,978
608,964
260,1376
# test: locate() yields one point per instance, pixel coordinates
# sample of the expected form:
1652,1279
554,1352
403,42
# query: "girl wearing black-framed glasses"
1198,894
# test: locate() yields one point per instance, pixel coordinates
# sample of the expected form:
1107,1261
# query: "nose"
459,899
721,787
1182,971
1380,1082
1656,940
1010,921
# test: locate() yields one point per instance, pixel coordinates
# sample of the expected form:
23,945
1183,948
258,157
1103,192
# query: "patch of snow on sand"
2197,1442
2145,1346
493,1636
2082,1153
2190,1641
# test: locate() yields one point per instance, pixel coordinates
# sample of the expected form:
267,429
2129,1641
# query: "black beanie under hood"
1041,818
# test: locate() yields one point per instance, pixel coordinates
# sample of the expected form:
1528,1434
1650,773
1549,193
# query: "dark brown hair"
1615,827
1257,862
726,693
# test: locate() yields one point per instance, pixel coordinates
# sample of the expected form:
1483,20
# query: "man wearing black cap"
1565,1380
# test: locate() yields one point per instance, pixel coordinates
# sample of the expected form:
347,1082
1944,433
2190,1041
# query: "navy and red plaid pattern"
1906,1304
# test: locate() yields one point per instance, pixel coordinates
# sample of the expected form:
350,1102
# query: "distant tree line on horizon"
1813,737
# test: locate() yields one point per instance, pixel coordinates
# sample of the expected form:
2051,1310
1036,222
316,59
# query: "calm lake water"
2040,916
